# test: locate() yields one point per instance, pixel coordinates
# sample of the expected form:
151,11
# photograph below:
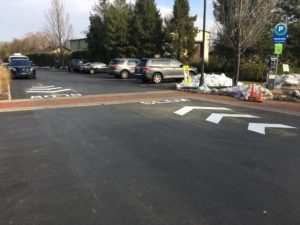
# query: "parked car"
75,64
159,69
21,67
122,67
94,67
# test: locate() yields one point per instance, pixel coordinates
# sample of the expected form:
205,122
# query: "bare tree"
242,22
58,28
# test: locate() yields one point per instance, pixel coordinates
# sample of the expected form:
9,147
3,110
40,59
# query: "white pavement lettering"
261,127
187,109
164,101
217,117
56,96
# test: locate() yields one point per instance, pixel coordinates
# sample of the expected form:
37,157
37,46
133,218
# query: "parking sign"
280,34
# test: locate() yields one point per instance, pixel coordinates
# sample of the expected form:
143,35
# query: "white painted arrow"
187,109
261,127
217,117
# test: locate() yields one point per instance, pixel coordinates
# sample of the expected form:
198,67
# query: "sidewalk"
29,104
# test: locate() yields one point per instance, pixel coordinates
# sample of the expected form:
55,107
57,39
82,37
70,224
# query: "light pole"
203,44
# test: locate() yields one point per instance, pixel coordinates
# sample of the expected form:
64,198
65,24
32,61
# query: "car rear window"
142,63
132,62
117,61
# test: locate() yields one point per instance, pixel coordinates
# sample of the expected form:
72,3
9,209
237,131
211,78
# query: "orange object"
252,97
260,96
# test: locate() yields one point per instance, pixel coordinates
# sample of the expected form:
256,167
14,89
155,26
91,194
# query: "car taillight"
146,68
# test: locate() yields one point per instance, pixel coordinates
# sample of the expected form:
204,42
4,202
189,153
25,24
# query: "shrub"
251,71
4,80
43,59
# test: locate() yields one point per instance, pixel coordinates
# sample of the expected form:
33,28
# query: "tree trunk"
237,62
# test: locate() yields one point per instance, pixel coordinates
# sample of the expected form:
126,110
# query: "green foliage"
84,54
180,32
146,29
43,59
3,54
253,71
95,37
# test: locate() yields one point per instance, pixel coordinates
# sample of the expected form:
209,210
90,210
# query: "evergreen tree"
146,29
180,32
96,34
116,22
289,11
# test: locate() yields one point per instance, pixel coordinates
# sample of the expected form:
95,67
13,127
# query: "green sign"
278,49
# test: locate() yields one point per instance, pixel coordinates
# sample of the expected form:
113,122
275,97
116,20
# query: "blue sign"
280,34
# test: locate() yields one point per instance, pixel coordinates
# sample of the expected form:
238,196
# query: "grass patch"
4,80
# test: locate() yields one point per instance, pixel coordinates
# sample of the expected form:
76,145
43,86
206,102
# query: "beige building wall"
198,43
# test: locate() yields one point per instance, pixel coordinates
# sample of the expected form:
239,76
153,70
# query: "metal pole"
276,69
203,44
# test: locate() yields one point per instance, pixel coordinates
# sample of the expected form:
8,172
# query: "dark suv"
21,68
159,69
122,67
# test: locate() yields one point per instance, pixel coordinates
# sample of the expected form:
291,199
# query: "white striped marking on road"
261,127
217,117
187,109
49,92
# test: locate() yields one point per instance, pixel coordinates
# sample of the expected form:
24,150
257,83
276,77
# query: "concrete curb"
107,99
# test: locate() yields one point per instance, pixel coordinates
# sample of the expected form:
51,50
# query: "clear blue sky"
29,15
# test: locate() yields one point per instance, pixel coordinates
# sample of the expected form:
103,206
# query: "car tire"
124,74
33,76
92,71
157,78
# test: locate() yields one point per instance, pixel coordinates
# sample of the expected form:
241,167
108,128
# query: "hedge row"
249,71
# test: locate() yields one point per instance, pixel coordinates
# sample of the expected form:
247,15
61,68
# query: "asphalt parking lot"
153,162
54,84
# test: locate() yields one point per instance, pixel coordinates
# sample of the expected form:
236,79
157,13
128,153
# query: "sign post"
280,35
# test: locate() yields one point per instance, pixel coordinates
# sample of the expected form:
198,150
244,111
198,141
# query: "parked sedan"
95,67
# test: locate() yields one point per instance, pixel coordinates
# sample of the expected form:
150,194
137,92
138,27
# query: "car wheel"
33,76
157,78
124,74
92,71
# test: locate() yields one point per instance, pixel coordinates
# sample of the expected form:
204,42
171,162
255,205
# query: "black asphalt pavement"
134,164
63,83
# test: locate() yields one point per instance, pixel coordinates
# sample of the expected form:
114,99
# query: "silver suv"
122,67
159,69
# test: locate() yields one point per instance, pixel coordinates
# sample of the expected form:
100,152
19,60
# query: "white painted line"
187,109
50,92
261,127
44,89
217,117
43,86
